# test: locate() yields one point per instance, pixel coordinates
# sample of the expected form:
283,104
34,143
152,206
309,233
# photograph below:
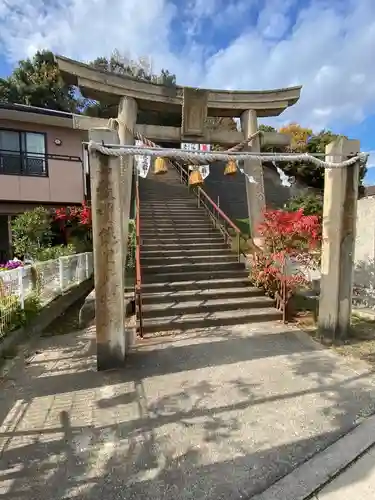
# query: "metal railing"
138,273
19,163
41,282
231,233
29,164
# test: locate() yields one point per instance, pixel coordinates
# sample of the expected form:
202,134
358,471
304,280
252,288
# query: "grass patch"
359,344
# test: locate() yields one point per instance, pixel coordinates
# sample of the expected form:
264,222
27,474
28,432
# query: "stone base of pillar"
110,358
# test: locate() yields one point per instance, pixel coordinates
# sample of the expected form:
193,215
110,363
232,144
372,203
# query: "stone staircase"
190,278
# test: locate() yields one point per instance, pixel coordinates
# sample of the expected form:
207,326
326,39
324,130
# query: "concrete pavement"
213,414
357,482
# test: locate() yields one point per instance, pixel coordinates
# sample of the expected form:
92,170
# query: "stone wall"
364,257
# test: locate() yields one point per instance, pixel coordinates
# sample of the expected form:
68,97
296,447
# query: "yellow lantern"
230,168
160,166
195,178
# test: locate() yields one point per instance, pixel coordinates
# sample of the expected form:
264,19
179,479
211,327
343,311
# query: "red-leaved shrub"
288,237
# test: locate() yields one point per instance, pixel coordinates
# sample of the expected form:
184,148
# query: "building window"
23,153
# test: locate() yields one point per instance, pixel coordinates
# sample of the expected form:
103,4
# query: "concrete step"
177,219
187,235
206,306
222,265
196,285
161,296
177,209
207,245
178,213
165,204
177,228
184,240
171,278
167,223
181,233
205,250
180,323
204,224
162,260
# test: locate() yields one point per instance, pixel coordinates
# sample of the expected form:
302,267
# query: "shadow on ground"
219,414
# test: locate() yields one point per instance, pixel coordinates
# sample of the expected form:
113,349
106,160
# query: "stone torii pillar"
338,240
256,201
107,229
127,119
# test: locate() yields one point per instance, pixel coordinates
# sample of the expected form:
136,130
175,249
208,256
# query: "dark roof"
369,191
33,109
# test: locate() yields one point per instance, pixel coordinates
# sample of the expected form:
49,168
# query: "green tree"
266,128
312,204
31,232
139,69
38,82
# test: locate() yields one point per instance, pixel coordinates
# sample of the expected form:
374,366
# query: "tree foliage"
139,69
311,204
37,82
266,128
300,137
220,123
31,232
304,140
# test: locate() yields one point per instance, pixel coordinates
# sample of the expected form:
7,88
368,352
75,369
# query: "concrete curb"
311,476
45,316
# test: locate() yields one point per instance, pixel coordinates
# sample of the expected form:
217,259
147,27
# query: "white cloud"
327,46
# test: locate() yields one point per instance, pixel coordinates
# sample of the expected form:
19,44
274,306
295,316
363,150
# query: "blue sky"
326,46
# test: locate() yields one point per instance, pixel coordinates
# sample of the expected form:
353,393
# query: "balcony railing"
29,164
16,163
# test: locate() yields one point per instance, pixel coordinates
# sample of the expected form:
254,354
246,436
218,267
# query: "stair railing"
138,274
220,220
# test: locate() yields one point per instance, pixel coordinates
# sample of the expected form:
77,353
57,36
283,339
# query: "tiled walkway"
214,414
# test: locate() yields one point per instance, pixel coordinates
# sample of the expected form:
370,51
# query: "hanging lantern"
160,166
195,178
230,168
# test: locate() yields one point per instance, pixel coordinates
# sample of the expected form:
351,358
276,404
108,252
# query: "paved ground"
357,482
215,414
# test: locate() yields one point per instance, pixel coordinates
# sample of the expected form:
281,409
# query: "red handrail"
219,211
184,177
138,275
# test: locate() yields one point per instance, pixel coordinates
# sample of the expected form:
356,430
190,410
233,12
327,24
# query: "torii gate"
193,106
113,185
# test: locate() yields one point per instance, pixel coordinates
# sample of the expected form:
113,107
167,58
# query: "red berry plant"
291,239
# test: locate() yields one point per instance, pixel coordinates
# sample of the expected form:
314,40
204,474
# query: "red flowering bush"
73,215
288,237
74,222
292,232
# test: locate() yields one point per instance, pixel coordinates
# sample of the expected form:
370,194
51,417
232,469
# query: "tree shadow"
191,419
